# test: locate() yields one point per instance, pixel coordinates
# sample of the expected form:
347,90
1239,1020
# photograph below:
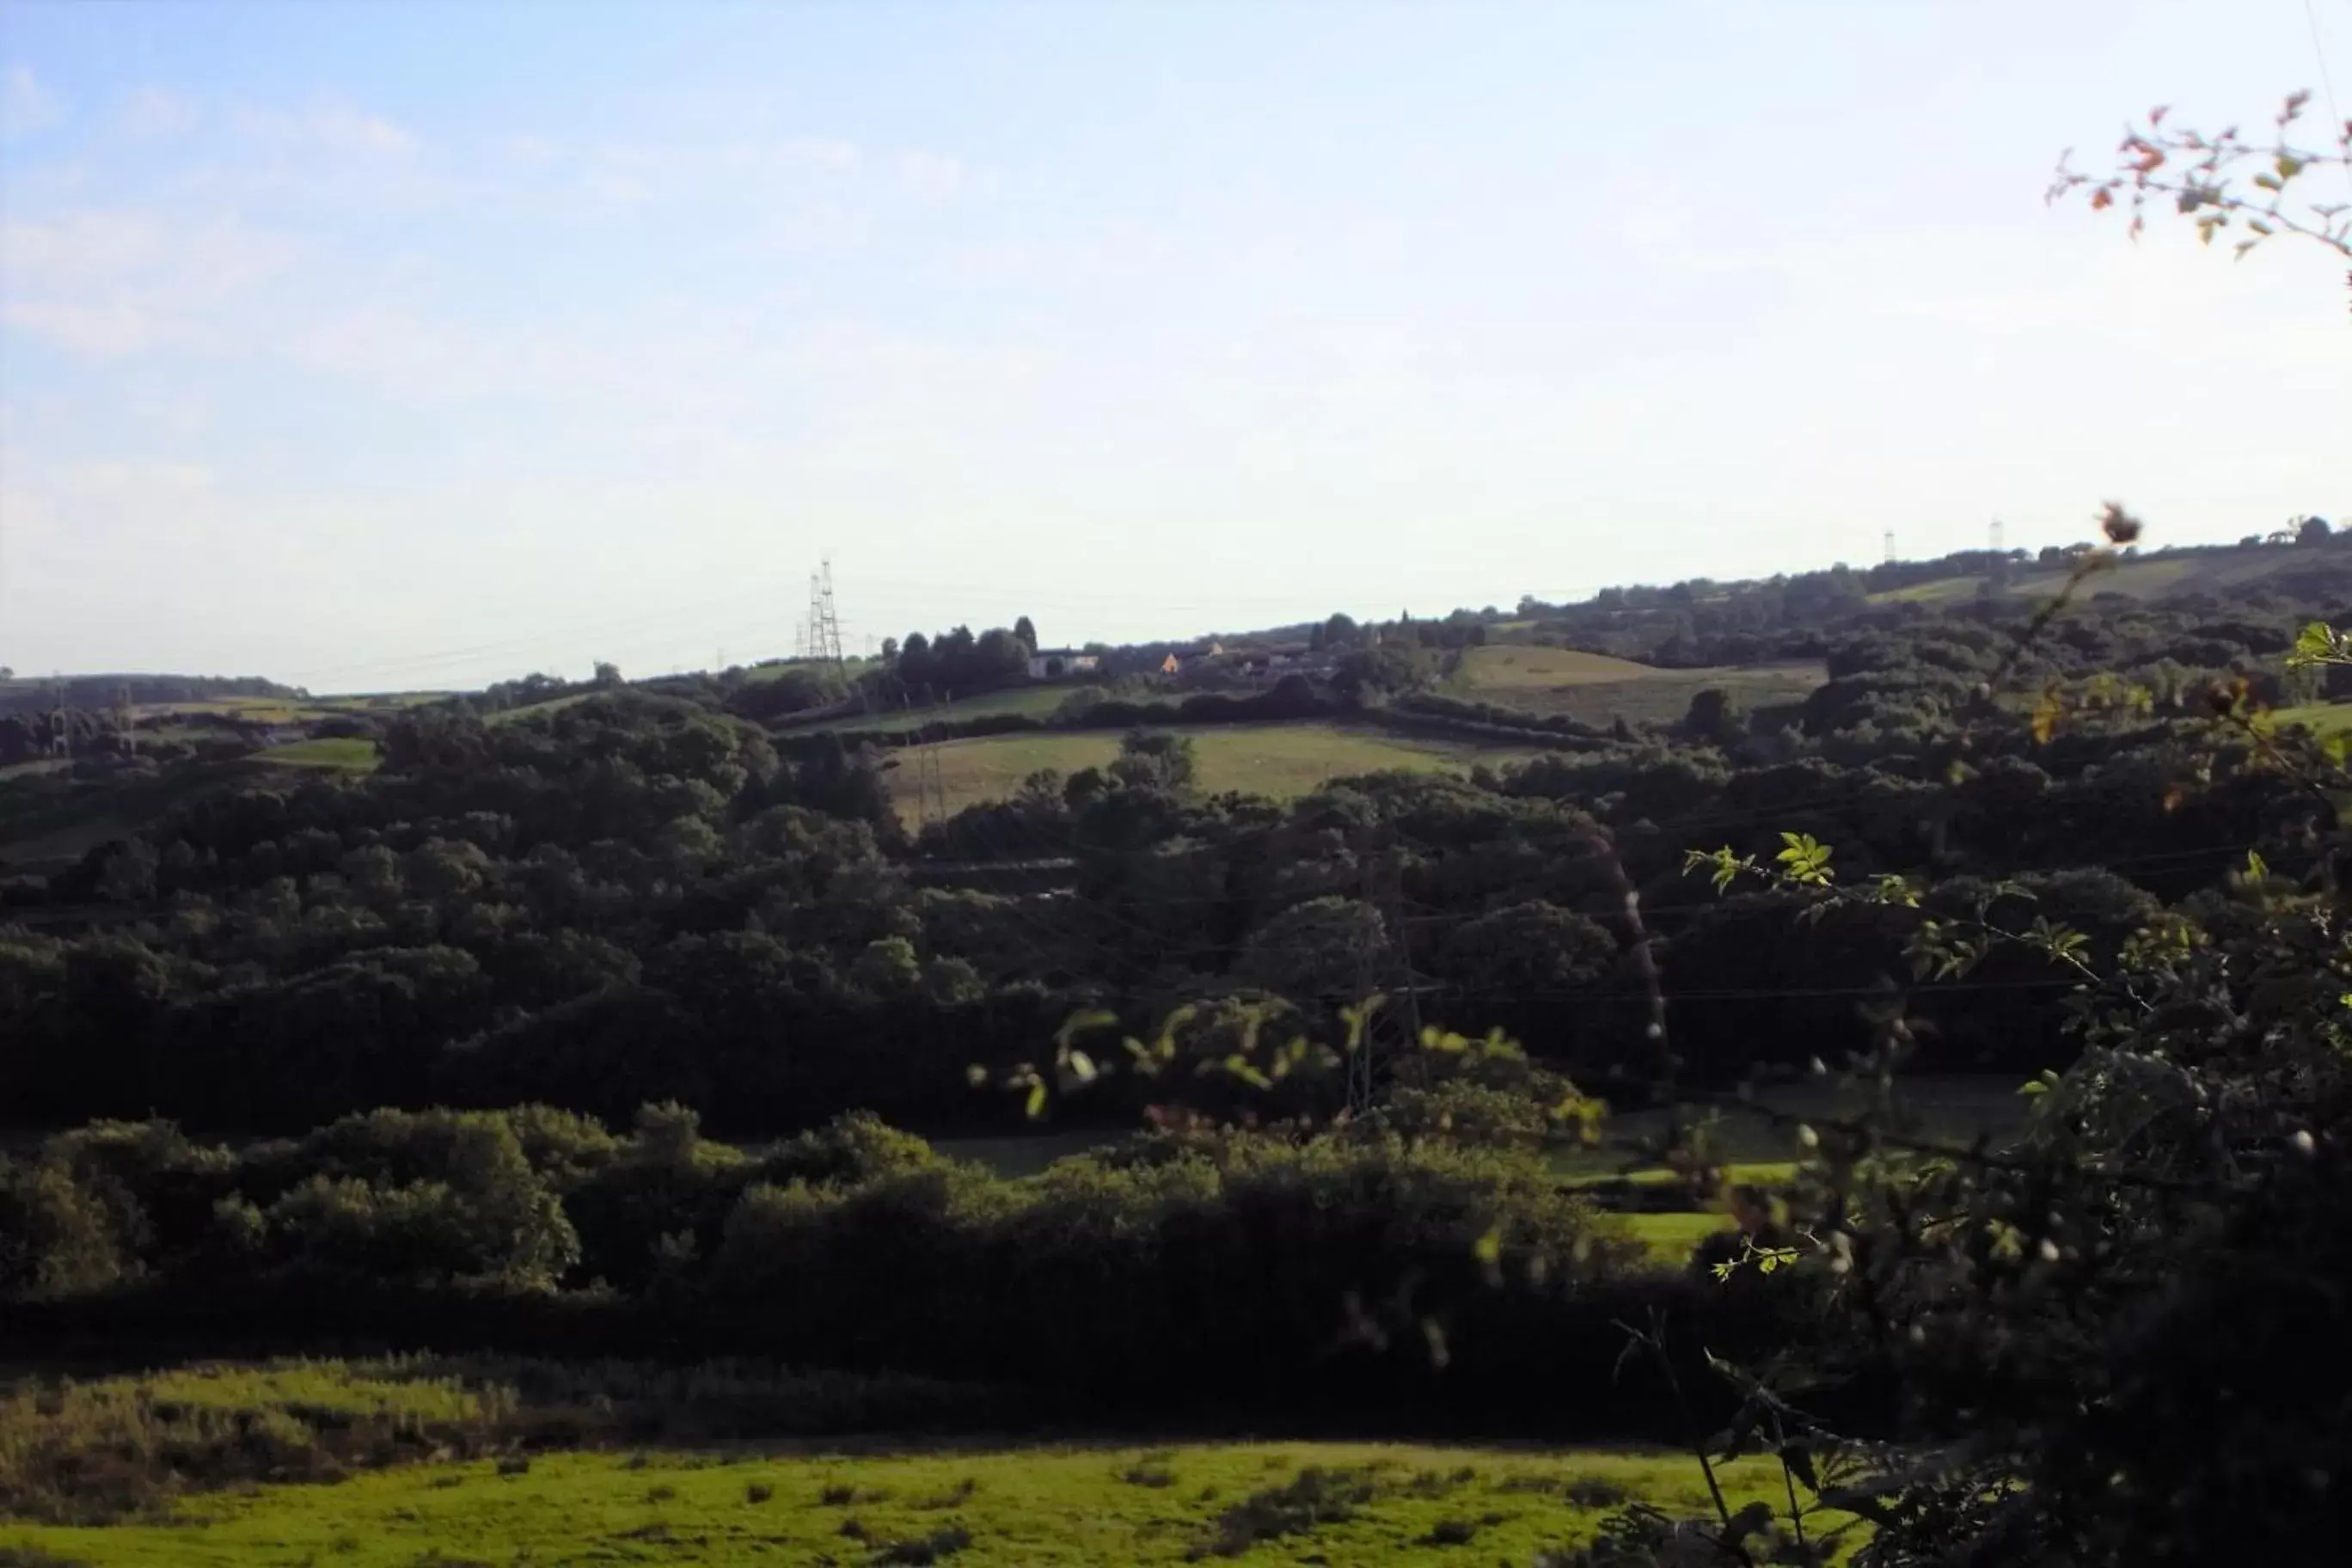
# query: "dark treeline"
1177,1273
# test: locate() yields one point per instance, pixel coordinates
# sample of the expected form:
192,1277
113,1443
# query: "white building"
1055,663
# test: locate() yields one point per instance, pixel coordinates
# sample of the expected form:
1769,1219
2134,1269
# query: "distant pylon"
825,621
1996,536
1890,546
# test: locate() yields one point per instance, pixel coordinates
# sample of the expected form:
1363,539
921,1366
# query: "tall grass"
92,1452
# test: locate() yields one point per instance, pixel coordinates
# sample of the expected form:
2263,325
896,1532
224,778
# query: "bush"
1230,1270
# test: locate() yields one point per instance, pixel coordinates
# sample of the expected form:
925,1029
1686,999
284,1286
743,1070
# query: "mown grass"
538,709
1595,688
1504,666
1284,1502
2322,718
1670,1236
1029,702
346,754
1937,591
1281,761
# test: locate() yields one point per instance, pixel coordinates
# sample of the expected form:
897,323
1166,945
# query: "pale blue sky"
419,344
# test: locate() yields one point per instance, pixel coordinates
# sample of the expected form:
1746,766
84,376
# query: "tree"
1159,761
607,674
1712,715
1342,632
1026,630
2313,531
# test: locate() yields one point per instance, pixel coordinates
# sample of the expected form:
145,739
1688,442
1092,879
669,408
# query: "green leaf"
1489,1248
2318,644
1036,1100
2033,1086
2256,871
1078,1023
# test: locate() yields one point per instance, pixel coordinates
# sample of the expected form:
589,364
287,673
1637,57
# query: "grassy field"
1282,761
1503,666
537,709
1670,1236
1030,701
1001,1508
1941,589
2322,718
2139,578
352,755
1596,688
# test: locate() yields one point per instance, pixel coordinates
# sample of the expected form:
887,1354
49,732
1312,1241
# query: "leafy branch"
2221,180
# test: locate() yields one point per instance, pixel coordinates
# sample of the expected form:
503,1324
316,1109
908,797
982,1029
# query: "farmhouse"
1052,663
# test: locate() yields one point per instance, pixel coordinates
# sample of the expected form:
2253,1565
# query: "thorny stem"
1787,1478
1654,1339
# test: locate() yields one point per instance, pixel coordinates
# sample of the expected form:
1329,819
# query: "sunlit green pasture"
1008,1507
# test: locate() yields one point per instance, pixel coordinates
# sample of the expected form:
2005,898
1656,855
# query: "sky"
424,344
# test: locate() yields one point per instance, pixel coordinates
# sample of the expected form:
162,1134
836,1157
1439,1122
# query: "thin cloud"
819,152
27,108
328,127
107,283
153,113
936,174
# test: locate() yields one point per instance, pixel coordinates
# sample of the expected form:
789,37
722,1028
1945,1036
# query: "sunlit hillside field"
1280,761
1596,688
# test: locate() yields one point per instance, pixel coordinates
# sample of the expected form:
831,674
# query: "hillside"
2223,572
1279,762
1597,689
28,694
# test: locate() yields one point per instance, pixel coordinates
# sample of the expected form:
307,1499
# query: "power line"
2327,84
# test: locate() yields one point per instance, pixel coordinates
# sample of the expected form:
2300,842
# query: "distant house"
1274,665
1056,663
1176,663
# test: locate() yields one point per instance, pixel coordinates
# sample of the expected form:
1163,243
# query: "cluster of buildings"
1257,665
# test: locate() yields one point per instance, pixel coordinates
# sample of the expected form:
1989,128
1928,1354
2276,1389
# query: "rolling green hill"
2215,572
